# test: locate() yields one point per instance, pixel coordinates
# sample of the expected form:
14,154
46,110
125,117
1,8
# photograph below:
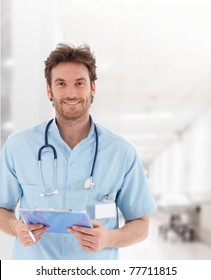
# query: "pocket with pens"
57,220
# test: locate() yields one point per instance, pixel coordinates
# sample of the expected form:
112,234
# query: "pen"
30,233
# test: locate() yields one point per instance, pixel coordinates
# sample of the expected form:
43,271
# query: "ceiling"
153,64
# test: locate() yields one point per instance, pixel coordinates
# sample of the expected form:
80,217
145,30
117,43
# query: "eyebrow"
81,79
78,79
59,80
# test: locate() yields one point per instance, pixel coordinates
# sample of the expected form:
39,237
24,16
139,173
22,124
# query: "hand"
23,232
91,239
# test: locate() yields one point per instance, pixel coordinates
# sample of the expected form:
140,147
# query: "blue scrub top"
118,173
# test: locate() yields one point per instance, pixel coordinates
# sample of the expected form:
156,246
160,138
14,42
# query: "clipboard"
57,220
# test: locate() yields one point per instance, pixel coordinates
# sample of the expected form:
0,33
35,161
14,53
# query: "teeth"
71,103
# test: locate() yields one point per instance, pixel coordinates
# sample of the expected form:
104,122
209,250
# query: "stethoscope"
88,184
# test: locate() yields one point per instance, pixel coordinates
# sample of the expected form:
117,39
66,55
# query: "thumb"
96,223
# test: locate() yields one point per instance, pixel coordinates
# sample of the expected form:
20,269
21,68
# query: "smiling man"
97,171
71,95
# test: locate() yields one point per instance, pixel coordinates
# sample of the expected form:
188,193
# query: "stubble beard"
75,116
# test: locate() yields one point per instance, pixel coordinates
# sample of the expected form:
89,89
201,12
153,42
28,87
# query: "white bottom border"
91,269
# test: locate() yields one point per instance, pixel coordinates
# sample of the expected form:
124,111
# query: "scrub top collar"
54,128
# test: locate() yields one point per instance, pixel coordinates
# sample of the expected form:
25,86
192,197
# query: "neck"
73,131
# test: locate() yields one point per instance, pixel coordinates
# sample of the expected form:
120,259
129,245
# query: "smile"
71,102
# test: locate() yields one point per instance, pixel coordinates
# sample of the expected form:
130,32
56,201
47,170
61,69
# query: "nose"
71,92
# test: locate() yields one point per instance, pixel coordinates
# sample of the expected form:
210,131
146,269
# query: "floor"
156,248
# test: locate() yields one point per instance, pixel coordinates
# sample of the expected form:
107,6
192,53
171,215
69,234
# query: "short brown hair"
68,53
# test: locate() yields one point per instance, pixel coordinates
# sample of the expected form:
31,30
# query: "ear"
93,88
49,92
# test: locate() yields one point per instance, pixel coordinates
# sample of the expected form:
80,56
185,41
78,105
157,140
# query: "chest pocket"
31,197
101,197
104,208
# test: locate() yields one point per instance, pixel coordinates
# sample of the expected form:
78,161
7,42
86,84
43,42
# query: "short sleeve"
135,198
10,190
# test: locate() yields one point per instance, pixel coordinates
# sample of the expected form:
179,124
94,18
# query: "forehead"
70,70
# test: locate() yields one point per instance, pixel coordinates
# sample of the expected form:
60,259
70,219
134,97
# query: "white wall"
198,140
35,34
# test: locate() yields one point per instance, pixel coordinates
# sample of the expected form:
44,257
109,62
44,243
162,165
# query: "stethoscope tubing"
96,151
47,145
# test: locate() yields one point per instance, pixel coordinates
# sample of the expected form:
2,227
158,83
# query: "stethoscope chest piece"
88,184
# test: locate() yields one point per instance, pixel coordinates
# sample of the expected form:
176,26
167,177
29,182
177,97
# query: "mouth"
71,103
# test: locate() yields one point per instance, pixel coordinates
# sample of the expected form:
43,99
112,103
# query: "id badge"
105,210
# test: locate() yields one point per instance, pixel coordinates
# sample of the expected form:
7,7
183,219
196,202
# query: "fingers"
39,232
90,239
24,231
34,226
26,239
85,236
85,230
87,242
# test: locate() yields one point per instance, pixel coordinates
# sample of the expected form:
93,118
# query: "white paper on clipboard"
57,220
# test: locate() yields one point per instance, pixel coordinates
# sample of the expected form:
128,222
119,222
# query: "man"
85,151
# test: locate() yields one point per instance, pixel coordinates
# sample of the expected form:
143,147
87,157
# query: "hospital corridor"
156,248
153,88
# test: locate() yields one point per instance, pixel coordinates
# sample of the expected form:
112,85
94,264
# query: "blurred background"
153,87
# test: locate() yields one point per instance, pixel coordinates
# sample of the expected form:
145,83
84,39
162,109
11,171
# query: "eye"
80,84
60,84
